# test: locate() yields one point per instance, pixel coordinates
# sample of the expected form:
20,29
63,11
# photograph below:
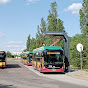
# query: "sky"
19,18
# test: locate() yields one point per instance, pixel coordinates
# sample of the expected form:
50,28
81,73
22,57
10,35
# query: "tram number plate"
53,69
50,66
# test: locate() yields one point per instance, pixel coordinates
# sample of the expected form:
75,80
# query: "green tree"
25,50
33,44
42,30
54,24
74,54
52,17
84,17
60,26
38,39
28,43
84,29
9,55
42,25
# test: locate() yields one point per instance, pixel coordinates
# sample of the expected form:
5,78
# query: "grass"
82,75
85,70
9,58
78,68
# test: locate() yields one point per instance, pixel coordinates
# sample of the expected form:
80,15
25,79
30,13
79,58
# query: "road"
17,75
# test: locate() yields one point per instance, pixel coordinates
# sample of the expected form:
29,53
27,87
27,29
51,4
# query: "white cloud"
27,3
2,34
4,1
75,7
15,46
31,1
17,50
15,42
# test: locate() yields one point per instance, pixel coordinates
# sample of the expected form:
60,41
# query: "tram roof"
47,48
2,51
30,51
27,52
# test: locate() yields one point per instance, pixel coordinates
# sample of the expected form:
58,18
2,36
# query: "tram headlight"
44,68
62,67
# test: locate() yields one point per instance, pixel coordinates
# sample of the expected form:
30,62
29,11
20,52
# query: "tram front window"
53,57
1,55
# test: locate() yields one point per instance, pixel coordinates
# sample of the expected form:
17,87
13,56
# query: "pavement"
83,75
17,75
69,77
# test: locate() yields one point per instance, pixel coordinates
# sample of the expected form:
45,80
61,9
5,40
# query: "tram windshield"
53,57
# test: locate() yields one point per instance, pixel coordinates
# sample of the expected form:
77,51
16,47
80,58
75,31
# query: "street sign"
79,47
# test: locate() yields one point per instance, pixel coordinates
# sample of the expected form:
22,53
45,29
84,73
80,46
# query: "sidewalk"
67,77
78,74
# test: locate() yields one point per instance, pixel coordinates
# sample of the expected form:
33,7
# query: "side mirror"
42,54
37,54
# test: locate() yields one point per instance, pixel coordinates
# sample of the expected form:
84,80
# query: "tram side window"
38,59
46,60
34,55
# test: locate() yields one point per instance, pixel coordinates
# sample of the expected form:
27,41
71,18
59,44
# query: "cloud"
31,1
15,42
15,46
4,1
2,34
17,50
75,7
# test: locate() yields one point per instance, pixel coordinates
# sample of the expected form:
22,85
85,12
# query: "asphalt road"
16,75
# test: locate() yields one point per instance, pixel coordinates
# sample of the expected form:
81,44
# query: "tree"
52,17
33,44
42,30
28,43
84,29
38,39
54,24
42,25
9,55
60,26
74,54
84,17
